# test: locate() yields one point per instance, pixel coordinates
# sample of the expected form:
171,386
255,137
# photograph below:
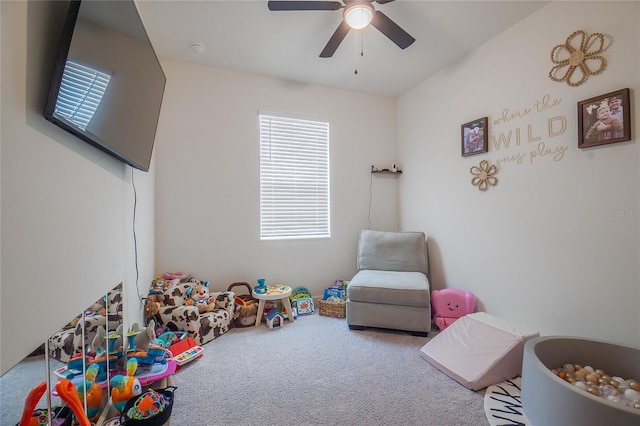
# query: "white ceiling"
244,35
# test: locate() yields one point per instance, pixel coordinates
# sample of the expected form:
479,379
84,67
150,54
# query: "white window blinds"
81,91
294,178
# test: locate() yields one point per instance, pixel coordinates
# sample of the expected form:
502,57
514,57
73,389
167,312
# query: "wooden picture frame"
598,125
475,137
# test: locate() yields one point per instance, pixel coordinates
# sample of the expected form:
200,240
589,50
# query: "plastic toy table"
281,292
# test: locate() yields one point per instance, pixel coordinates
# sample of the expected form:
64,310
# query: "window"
294,178
81,91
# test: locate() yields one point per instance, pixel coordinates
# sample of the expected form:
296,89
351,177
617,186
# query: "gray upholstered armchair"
391,289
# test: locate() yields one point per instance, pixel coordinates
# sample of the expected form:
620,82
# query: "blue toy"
274,319
260,288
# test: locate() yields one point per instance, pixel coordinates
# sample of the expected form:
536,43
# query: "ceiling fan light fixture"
358,16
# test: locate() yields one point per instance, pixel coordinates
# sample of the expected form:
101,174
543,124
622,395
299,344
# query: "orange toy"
93,392
30,403
69,394
123,388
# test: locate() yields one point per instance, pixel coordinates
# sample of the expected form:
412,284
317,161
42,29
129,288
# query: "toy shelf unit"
393,170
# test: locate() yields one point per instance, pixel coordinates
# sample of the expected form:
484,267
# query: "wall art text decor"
579,55
604,119
475,137
531,140
484,175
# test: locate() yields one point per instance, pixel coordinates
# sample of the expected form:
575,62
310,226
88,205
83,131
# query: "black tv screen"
107,84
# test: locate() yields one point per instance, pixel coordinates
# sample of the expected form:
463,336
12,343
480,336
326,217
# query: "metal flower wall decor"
484,175
580,55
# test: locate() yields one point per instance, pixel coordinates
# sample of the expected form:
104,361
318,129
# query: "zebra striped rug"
503,405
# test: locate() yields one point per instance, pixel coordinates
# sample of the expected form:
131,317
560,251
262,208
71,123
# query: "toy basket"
246,306
333,309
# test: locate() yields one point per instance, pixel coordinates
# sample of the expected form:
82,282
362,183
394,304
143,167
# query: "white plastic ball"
608,390
580,385
631,395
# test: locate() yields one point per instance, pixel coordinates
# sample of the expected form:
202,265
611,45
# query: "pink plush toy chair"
450,304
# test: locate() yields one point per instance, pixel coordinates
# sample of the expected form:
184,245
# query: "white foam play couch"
478,350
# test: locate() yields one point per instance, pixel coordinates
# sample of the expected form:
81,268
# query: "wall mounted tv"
107,83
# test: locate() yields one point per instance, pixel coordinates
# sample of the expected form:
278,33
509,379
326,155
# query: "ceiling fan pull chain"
361,48
355,52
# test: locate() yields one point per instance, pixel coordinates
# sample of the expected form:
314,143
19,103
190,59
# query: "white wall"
1,62
67,208
207,184
555,245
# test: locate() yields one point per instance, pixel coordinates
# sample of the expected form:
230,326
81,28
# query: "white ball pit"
549,400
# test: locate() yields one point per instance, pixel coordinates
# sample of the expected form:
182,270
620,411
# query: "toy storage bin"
246,306
333,309
160,419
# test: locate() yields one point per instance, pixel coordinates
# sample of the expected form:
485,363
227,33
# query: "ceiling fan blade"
392,30
335,40
383,1
304,5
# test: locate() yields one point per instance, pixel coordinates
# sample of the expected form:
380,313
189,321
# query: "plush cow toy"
450,304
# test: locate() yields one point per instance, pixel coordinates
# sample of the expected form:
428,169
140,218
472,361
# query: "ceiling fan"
357,14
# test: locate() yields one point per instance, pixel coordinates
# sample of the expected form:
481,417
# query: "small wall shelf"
386,172
375,171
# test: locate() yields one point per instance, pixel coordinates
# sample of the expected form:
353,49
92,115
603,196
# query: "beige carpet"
314,371
318,372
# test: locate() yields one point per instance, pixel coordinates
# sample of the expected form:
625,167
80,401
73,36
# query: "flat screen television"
107,83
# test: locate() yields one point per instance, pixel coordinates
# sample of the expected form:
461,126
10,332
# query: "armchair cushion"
392,251
391,287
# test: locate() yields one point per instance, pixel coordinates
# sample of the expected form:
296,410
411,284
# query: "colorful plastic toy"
450,304
67,392
148,405
125,387
93,390
261,288
30,404
274,319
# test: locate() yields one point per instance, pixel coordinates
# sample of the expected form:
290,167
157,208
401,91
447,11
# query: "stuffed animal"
143,337
200,298
99,343
98,308
161,285
245,312
450,304
116,347
153,304
157,286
